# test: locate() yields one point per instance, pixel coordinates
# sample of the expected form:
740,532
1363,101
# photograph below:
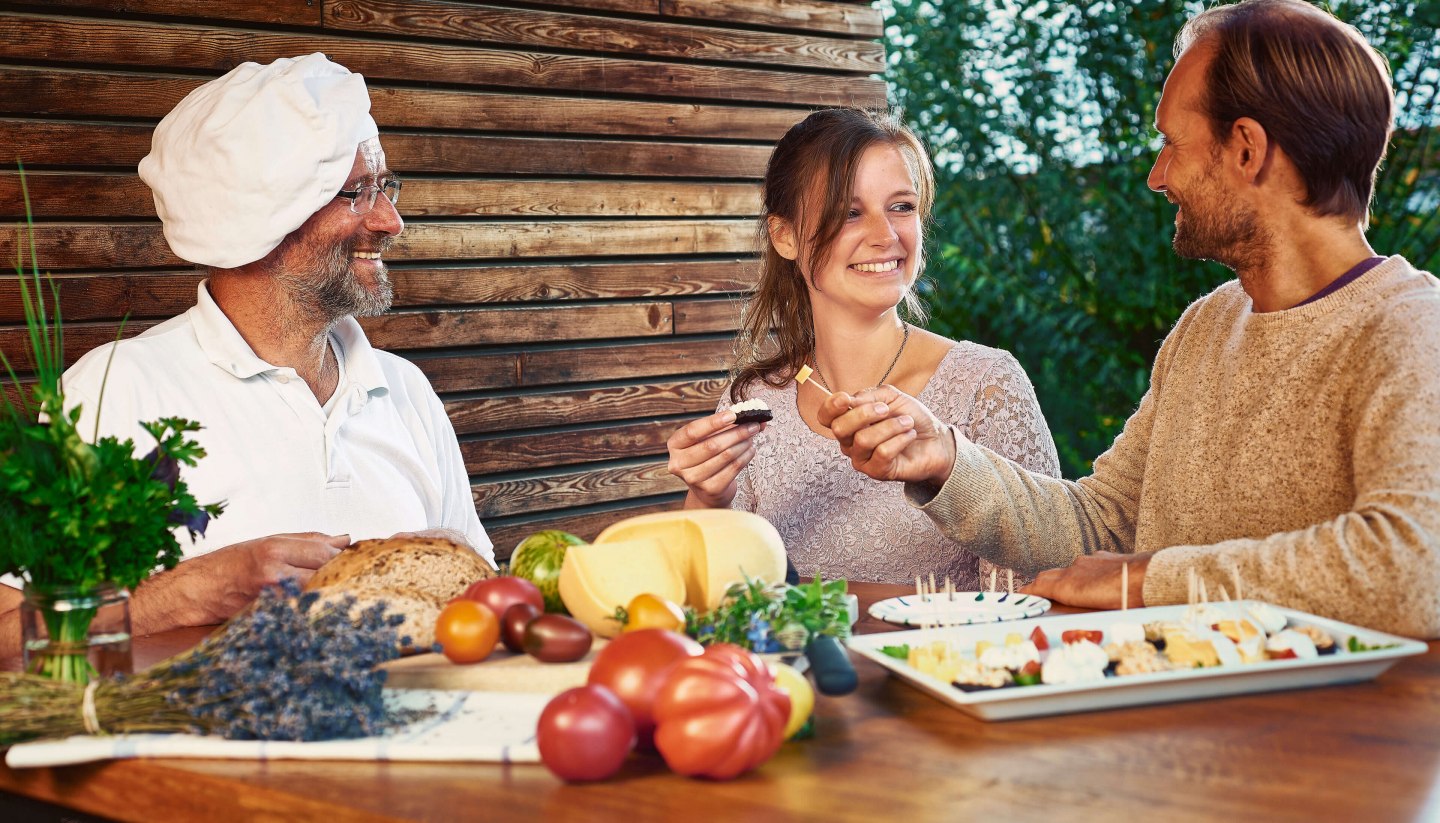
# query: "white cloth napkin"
488,727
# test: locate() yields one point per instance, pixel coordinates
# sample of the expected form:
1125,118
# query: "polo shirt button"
283,378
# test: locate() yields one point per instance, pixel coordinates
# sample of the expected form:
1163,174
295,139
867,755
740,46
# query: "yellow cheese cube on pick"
597,579
711,548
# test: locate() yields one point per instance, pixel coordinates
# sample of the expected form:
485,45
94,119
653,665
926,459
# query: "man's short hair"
1321,92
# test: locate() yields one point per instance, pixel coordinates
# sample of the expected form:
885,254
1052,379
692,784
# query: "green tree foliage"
1047,242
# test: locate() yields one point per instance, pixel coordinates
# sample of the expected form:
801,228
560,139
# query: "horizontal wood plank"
629,402
79,339
63,246
411,331
160,294
482,111
107,295
579,281
527,28
522,324
809,15
506,533
36,92
568,489
545,367
170,46
93,194
603,238
696,316
528,451
577,198
55,143
288,12
556,156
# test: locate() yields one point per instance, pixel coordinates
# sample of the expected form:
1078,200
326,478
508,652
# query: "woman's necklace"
905,338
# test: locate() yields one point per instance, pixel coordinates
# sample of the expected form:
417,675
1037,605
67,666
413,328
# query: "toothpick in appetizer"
803,376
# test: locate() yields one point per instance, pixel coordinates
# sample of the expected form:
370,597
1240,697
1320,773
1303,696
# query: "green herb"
76,513
772,617
901,652
1354,645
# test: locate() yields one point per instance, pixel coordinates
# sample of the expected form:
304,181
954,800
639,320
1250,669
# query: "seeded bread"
437,569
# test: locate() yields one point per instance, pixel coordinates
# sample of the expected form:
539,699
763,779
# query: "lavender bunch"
293,667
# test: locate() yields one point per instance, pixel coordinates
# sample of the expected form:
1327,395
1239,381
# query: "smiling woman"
847,194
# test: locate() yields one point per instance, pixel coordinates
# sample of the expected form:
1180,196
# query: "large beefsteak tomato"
634,665
719,715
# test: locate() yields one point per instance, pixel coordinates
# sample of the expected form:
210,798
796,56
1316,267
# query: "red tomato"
500,593
1042,643
585,734
467,631
1076,635
634,665
720,715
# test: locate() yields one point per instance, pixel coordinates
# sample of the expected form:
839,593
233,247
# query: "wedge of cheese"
711,548
597,579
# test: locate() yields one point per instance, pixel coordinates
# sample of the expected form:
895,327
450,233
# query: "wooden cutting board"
502,671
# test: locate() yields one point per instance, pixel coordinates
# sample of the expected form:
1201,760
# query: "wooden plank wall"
580,186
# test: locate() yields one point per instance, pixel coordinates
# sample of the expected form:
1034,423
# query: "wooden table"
1363,752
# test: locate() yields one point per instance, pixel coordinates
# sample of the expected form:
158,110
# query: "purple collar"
1345,279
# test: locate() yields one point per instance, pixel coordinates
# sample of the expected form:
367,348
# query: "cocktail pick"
949,591
920,589
803,376
933,590
1190,598
993,573
1010,581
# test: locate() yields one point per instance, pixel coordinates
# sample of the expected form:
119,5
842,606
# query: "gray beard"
329,292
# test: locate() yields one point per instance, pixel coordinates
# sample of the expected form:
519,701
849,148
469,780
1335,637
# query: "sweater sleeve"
1030,522
1377,565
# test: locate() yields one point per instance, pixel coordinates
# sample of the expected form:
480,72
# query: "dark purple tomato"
513,623
585,733
555,638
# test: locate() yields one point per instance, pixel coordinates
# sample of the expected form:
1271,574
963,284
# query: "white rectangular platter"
1016,702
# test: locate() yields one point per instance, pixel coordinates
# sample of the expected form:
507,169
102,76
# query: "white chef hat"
245,159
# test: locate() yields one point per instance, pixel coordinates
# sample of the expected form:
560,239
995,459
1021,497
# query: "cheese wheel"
711,548
595,580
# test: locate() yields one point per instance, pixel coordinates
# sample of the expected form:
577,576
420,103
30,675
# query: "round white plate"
959,609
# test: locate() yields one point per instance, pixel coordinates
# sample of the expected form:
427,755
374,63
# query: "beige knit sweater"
1296,453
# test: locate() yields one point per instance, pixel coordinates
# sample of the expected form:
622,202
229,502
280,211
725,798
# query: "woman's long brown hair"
809,182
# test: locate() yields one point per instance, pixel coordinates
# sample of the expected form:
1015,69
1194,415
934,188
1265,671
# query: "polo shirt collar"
224,346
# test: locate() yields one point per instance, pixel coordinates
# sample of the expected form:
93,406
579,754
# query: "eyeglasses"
362,199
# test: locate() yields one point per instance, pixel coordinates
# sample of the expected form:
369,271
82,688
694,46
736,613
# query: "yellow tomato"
648,611
467,631
802,696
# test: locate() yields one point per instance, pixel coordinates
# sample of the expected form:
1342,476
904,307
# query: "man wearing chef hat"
273,180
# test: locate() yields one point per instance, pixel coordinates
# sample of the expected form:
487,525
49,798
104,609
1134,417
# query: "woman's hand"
708,455
889,435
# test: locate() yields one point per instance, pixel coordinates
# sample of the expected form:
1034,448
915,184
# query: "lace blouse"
838,523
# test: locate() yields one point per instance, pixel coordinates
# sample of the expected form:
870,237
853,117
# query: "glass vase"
76,633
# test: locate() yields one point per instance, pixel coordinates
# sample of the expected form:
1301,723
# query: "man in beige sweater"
1289,442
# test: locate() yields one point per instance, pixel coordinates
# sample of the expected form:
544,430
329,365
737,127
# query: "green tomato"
538,558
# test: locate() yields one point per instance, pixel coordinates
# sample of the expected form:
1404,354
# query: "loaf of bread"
419,610
437,568
415,576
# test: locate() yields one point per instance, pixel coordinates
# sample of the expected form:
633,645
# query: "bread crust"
437,568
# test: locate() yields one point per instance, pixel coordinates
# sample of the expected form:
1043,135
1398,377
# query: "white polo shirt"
379,458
